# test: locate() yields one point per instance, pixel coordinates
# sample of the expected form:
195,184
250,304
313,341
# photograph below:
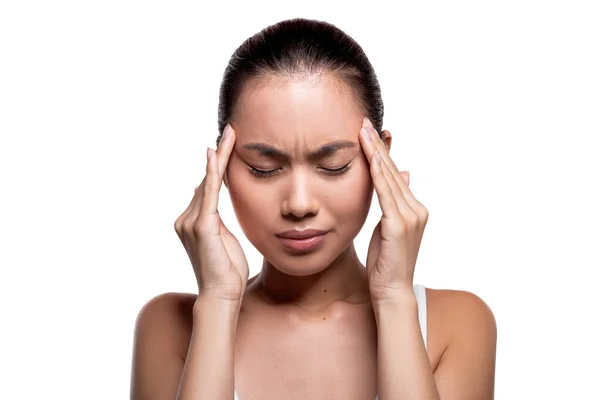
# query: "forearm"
208,370
403,369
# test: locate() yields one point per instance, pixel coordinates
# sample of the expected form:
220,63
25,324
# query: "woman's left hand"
394,247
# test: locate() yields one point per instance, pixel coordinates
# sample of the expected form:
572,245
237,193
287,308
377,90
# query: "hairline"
335,80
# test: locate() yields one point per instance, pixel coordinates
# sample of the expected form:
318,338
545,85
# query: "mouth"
302,241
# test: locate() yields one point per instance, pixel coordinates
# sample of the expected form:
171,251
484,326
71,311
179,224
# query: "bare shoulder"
168,315
459,306
463,329
166,304
459,312
162,335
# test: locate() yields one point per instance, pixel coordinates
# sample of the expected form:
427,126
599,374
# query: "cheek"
251,204
243,196
352,196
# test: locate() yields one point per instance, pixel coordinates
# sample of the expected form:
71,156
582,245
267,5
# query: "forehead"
303,110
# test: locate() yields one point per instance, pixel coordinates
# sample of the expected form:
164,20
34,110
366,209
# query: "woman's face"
297,164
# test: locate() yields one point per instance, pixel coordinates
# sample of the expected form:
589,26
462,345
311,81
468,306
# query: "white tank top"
422,311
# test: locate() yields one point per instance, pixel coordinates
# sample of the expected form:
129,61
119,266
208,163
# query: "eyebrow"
323,151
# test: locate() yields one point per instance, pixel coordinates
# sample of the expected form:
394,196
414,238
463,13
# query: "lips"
304,234
302,241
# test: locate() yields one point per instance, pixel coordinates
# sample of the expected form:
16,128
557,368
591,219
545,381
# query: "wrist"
206,301
399,298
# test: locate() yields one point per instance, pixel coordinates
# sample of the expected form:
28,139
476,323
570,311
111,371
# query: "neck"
344,280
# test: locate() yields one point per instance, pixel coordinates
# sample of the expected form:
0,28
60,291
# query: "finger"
225,149
380,145
190,219
195,199
188,210
210,195
408,199
373,143
367,142
401,203
407,202
406,177
383,189
415,204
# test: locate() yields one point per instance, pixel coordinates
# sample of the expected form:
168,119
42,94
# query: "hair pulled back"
300,47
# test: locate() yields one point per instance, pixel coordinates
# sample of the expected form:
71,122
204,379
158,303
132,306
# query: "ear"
386,137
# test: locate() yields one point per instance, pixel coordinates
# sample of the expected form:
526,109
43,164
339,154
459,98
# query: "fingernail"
226,131
366,135
208,154
367,123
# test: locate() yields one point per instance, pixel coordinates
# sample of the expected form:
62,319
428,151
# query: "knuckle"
201,226
188,226
398,229
424,214
412,219
197,227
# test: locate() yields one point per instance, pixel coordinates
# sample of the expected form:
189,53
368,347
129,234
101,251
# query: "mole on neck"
342,281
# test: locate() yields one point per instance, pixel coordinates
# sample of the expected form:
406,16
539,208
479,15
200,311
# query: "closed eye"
268,173
263,174
337,171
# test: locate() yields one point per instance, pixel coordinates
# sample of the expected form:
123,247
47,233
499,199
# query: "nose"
299,201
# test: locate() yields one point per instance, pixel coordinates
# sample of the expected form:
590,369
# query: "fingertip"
226,150
229,129
364,132
230,143
406,177
367,145
226,130
227,140
210,155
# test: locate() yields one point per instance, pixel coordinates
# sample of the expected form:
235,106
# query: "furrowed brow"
266,150
323,151
331,148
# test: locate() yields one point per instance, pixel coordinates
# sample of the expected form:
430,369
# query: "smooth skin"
318,325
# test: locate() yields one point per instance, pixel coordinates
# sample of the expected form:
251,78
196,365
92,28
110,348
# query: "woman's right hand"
219,262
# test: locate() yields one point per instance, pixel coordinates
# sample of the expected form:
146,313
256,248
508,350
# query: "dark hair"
300,46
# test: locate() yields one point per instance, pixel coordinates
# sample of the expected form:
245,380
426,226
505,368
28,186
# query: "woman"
301,152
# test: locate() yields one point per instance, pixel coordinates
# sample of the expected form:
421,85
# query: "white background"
106,109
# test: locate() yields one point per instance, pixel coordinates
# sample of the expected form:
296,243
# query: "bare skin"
305,326
266,366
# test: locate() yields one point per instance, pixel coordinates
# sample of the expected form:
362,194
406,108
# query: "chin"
298,271
303,264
